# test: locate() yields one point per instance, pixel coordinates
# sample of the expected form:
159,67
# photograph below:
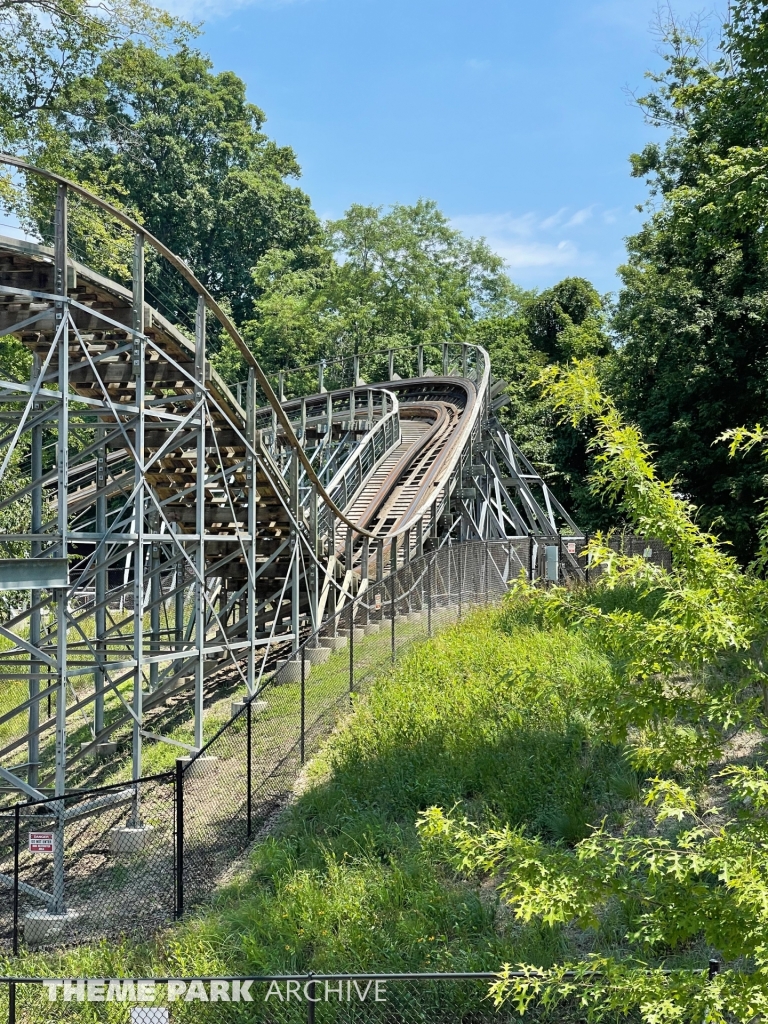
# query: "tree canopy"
691,315
376,279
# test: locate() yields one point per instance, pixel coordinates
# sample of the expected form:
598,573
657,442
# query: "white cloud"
477,65
555,219
528,240
580,217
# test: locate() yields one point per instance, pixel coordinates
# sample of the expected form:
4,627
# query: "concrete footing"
257,706
100,749
335,643
371,628
290,671
42,927
130,840
359,633
317,655
198,765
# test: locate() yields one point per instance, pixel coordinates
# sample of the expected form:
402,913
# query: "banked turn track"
169,535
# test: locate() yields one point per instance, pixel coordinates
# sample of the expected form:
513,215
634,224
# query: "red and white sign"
571,547
41,842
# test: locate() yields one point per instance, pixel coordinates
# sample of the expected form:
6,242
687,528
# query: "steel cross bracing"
172,539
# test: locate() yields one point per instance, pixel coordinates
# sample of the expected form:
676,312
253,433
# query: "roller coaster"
172,534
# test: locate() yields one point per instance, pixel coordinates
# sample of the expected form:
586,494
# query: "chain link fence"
128,859
344,998
448,998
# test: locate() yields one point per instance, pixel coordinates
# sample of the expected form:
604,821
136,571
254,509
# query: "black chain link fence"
128,859
285,999
409,999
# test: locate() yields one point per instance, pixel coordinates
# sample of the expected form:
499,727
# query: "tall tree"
693,311
183,148
379,280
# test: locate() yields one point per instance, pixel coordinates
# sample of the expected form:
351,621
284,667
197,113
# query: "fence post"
459,582
303,698
248,766
311,1000
530,558
586,569
15,879
179,909
11,1002
393,585
430,569
487,571
351,645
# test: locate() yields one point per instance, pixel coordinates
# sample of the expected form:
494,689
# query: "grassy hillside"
484,716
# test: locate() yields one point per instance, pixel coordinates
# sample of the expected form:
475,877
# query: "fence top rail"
84,794
712,967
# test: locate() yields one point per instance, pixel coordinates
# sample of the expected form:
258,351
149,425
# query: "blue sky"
512,114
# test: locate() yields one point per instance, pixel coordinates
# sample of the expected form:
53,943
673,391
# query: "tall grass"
484,715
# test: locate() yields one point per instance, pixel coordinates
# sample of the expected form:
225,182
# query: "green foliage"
377,280
485,717
692,313
47,46
685,692
550,328
182,146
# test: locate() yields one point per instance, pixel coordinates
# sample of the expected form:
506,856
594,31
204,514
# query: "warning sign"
571,547
41,842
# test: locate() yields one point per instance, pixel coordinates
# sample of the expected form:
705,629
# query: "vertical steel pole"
296,566
16,841
459,577
36,453
11,1002
393,584
390,364
303,701
530,559
139,359
179,909
314,540
200,522
351,645
100,615
420,361
365,557
154,600
250,479
178,611
248,765
430,574
62,466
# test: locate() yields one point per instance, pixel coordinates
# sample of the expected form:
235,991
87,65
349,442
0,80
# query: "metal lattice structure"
174,535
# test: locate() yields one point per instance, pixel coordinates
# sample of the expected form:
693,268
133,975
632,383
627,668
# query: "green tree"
693,311
550,328
379,279
686,648
47,46
184,149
